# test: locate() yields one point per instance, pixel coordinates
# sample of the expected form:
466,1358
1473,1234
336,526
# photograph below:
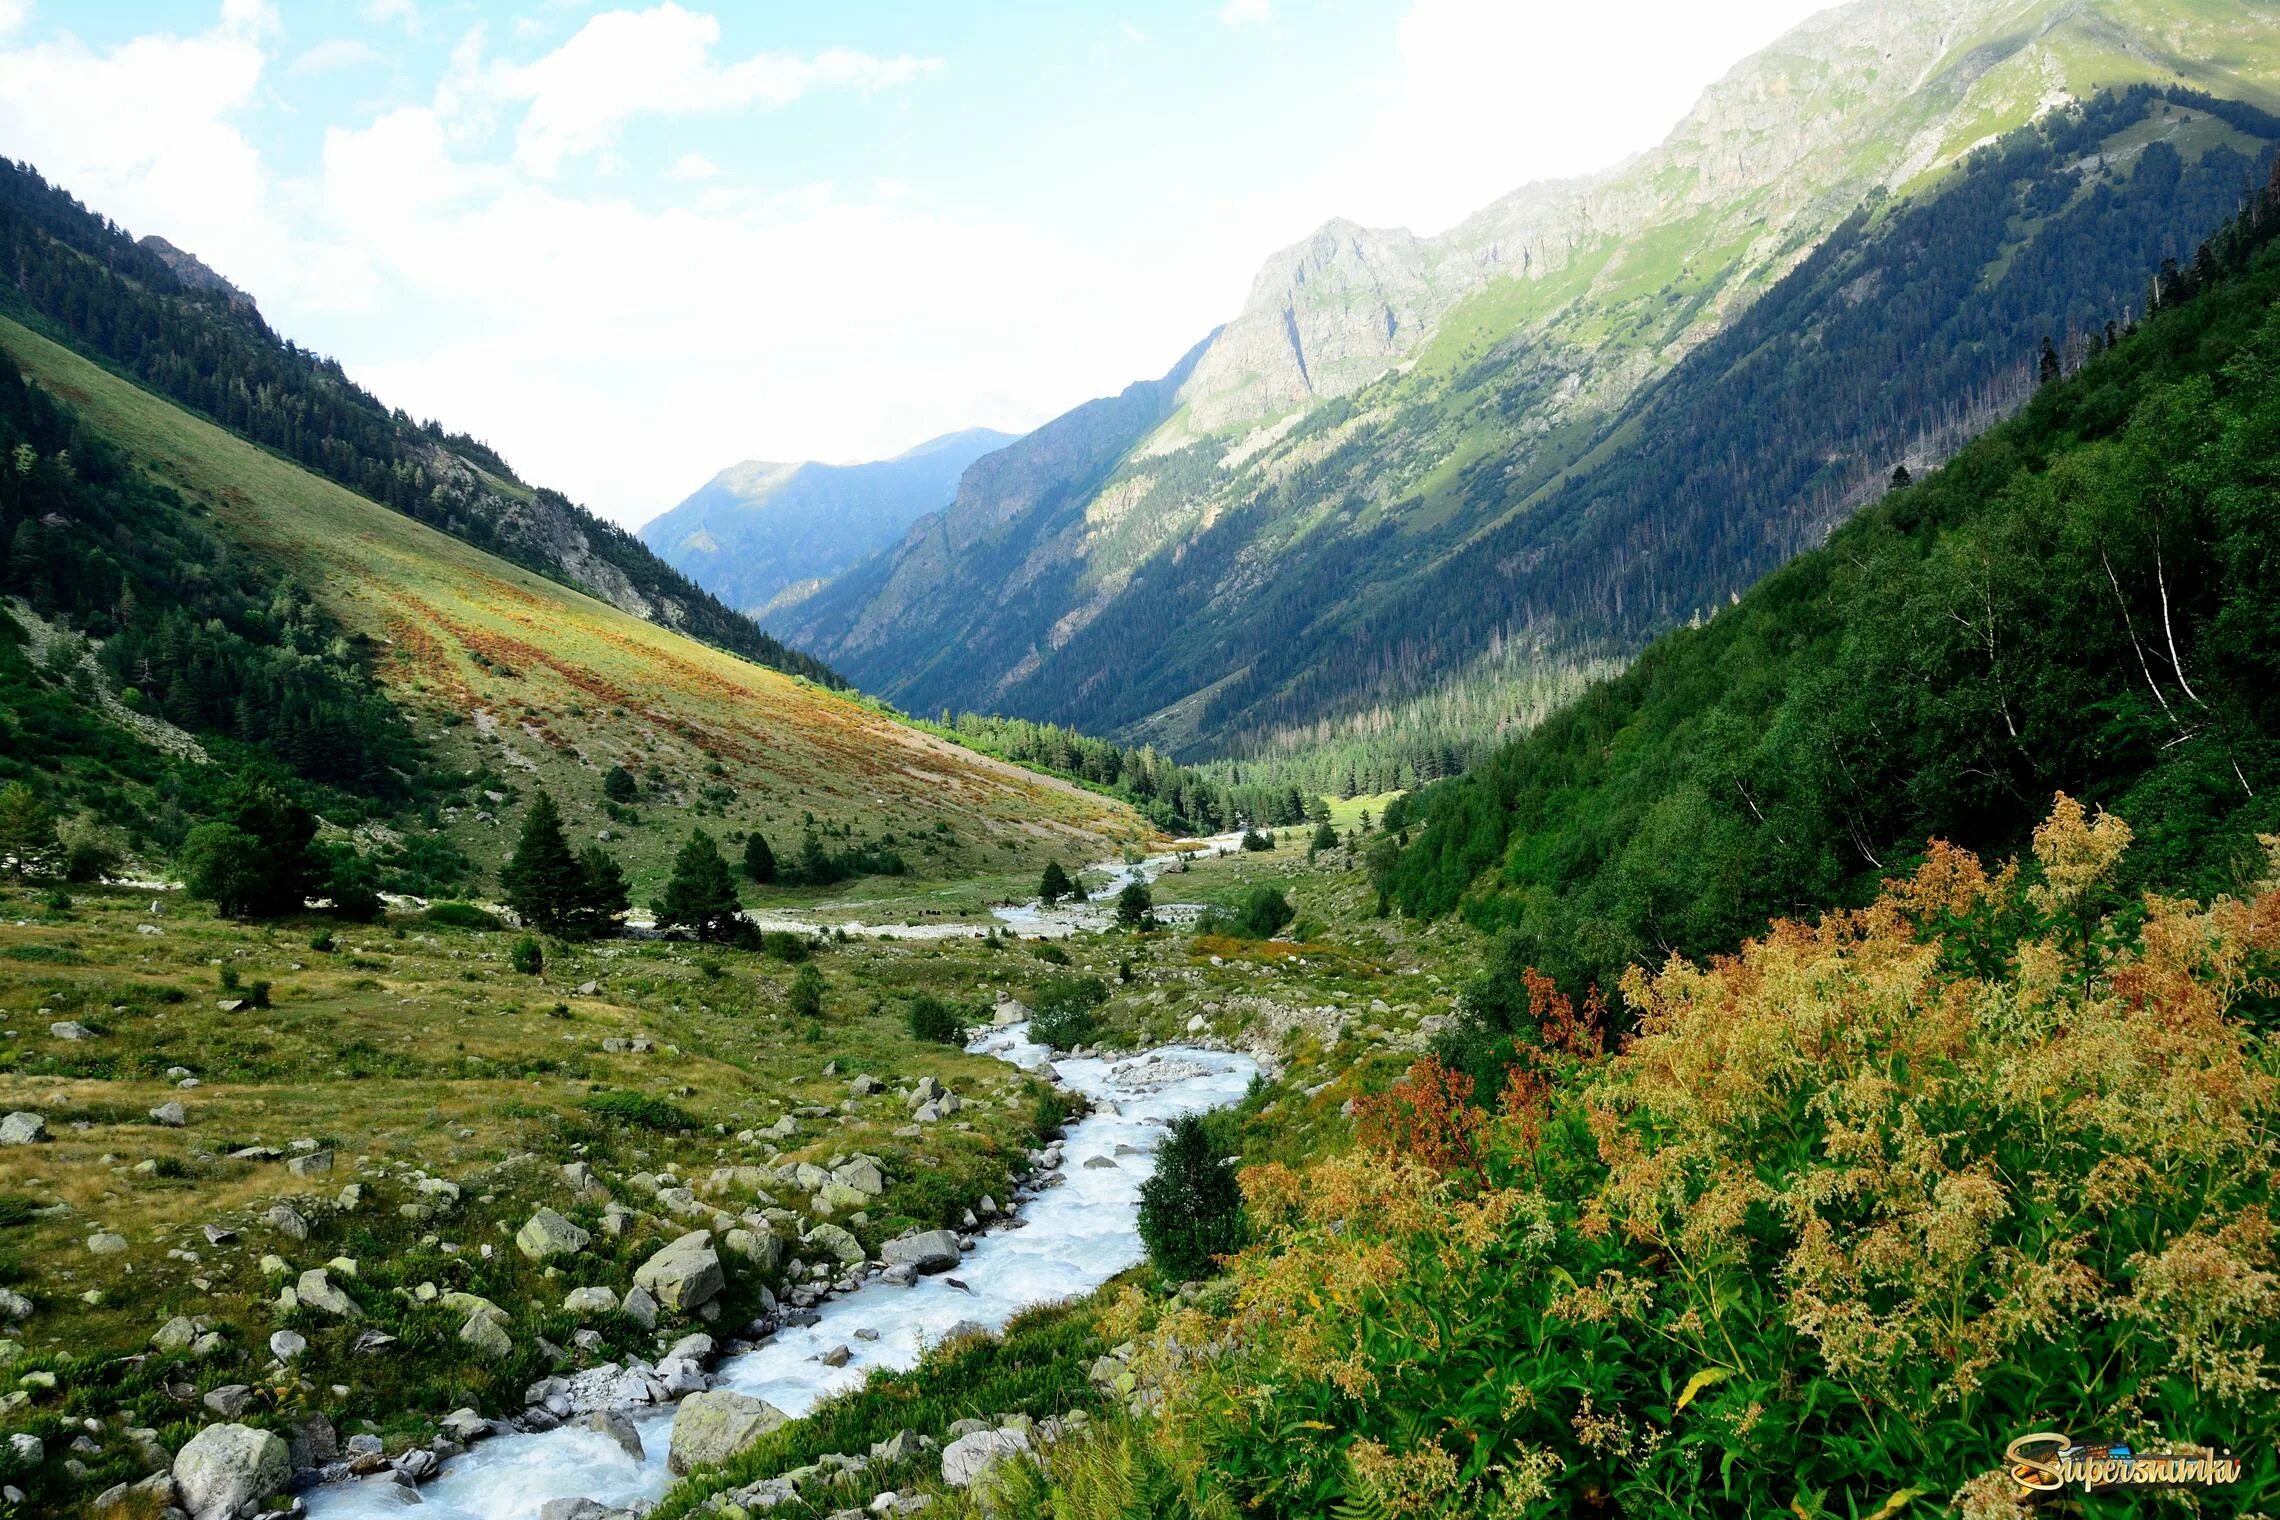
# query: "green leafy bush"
461,915
1191,1209
935,1021
1063,1011
527,956
640,1110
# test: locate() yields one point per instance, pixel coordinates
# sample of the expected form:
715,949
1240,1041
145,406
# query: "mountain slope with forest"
265,616
758,532
160,316
2080,601
1285,549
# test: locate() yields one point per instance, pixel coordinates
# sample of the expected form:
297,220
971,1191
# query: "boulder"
618,1428
23,1128
313,1164
863,1175
640,1307
318,1291
105,1243
686,1274
836,1243
287,1346
546,1235
175,1335
171,1113
968,1457
287,1223
762,1248
589,1301
711,1427
576,1509
224,1472
931,1251
487,1335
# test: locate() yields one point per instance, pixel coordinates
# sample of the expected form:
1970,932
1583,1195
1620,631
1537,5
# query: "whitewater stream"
1071,1238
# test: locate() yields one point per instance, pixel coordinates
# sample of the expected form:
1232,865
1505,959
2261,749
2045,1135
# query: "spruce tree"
759,860
701,894
1055,885
602,893
542,879
1191,1208
28,845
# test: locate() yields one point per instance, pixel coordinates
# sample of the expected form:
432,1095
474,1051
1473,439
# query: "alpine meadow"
1617,854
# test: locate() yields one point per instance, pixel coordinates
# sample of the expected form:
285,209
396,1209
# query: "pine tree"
602,892
701,894
618,784
1055,884
28,845
1191,1209
759,860
2050,368
542,880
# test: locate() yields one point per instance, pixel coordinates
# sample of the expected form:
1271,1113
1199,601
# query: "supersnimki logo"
2050,1460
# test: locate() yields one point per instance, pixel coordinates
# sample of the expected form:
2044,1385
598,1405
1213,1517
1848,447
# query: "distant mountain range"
759,532
1374,498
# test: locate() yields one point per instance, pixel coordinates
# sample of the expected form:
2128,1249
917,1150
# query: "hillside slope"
160,315
1383,399
757,532
519,681
2080,601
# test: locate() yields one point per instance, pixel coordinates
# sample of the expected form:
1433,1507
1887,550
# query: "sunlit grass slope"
541,685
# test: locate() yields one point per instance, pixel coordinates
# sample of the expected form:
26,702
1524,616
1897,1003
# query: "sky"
631,246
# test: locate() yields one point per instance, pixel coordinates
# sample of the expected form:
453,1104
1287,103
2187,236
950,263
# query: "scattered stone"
286,1221
71,1029
487,1335
547,1235
23,1128
929,1251
837,1356
713,1426
287,1346
317,1290
835,1243
618,1428
225,1471
105,1243
971,1455
640,1306
219,1235
312,1164
171,1114
590,1301
230,1400
686,1274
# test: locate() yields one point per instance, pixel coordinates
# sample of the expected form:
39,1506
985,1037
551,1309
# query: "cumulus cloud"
624,64
339,53
1244,12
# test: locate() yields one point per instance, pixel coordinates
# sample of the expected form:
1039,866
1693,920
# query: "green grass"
534,684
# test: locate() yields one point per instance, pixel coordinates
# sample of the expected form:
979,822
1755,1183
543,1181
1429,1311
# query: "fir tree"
759,860
28,845
617,784
602,892
1136,906
701,894
2050,368
1191,1209
1055,884
542,880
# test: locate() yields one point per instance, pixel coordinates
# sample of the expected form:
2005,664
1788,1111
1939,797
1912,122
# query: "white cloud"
339,53
1493,94
145,132
381,12
13,15
692,166
624,64
1244,12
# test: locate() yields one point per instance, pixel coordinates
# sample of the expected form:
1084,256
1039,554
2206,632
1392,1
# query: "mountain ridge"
760,530
1450,370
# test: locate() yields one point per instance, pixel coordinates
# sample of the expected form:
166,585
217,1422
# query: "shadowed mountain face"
759,531
1337,507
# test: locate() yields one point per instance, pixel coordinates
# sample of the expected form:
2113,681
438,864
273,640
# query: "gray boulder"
968,1457
224,1472
711,1427
171,1113
23,1128
837,1244
931,1251
547,1235
318,1291
618,1428
686,1274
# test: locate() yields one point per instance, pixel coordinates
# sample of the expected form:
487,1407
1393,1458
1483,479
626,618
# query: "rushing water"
1071,1239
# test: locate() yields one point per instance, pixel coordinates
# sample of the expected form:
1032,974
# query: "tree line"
2083,600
